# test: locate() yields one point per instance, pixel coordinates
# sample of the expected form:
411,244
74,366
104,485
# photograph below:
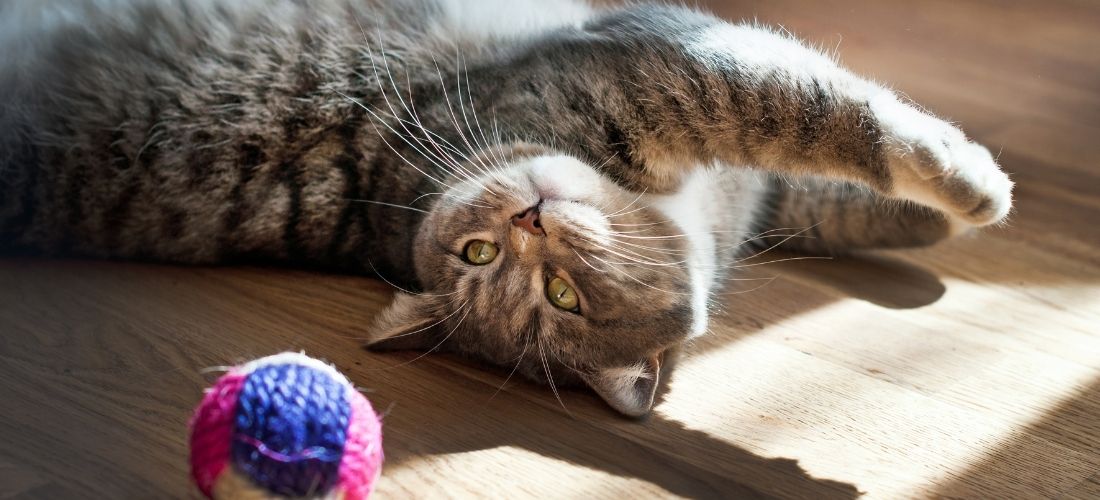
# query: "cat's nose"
529,221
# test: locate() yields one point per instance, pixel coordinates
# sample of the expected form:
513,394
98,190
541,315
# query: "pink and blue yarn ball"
285,426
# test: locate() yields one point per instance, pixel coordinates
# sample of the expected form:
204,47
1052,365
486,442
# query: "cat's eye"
480,252
562,295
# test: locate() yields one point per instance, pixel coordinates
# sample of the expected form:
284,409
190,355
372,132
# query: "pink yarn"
362,460
212,431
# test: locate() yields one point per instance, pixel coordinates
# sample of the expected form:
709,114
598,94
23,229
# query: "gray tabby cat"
565,187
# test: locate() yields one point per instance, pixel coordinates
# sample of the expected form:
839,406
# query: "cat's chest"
715,211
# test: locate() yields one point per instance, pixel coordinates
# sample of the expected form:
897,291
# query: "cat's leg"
833,217
657,89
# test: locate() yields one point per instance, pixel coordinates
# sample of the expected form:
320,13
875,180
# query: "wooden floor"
969,370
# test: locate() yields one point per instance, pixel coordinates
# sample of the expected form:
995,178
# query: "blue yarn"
291,424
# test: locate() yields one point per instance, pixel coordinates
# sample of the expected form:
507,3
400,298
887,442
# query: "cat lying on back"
564,187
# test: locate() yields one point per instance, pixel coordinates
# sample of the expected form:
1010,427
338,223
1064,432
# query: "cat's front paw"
933,163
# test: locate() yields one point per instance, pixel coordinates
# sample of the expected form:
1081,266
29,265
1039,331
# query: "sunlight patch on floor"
852,390
511,470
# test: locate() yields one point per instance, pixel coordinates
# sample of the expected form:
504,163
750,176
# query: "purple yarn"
291,424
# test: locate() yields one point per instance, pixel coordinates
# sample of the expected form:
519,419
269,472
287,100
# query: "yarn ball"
286,425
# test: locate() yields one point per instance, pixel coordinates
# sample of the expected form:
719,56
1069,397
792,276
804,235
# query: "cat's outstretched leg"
658,89
836,217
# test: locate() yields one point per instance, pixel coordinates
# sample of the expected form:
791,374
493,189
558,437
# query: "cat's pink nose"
529,221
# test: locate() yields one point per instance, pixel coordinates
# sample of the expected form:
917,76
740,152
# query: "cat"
556,188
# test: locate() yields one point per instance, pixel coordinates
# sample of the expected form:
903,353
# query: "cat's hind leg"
831,217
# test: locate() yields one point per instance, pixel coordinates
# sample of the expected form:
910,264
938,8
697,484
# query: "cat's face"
547,267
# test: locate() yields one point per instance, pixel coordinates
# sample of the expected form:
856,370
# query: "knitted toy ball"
285,426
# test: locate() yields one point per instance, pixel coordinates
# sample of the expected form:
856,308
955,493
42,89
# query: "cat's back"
81,60
102,94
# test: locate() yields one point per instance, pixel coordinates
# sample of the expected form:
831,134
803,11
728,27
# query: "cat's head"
548,267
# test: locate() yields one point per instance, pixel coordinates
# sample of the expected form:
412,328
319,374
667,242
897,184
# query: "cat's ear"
409,323
628,389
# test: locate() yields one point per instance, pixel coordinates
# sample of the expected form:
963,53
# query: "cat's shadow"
465,415
657,450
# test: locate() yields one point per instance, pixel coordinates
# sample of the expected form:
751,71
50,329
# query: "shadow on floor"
1022,466
659,451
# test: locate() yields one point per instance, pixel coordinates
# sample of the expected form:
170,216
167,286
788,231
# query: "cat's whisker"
639,224
628,205
632,255
443,157
489,169
549,376
388,282
756,264
777,244
433,348
458,198
375,121
624,214
454,118
636,280
519,360
393,113
635,257
699,233
767,281
498,136
622,245
581,257
433,325
435,138
440,160
394,205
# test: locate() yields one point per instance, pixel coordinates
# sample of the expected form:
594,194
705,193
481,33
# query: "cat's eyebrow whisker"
368,339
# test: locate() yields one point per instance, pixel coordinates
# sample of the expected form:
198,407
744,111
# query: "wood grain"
968,370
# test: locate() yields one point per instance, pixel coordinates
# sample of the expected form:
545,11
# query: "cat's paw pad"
934,164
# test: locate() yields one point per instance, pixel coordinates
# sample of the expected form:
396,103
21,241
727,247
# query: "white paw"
933,163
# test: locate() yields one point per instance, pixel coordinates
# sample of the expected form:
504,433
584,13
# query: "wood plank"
968,370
